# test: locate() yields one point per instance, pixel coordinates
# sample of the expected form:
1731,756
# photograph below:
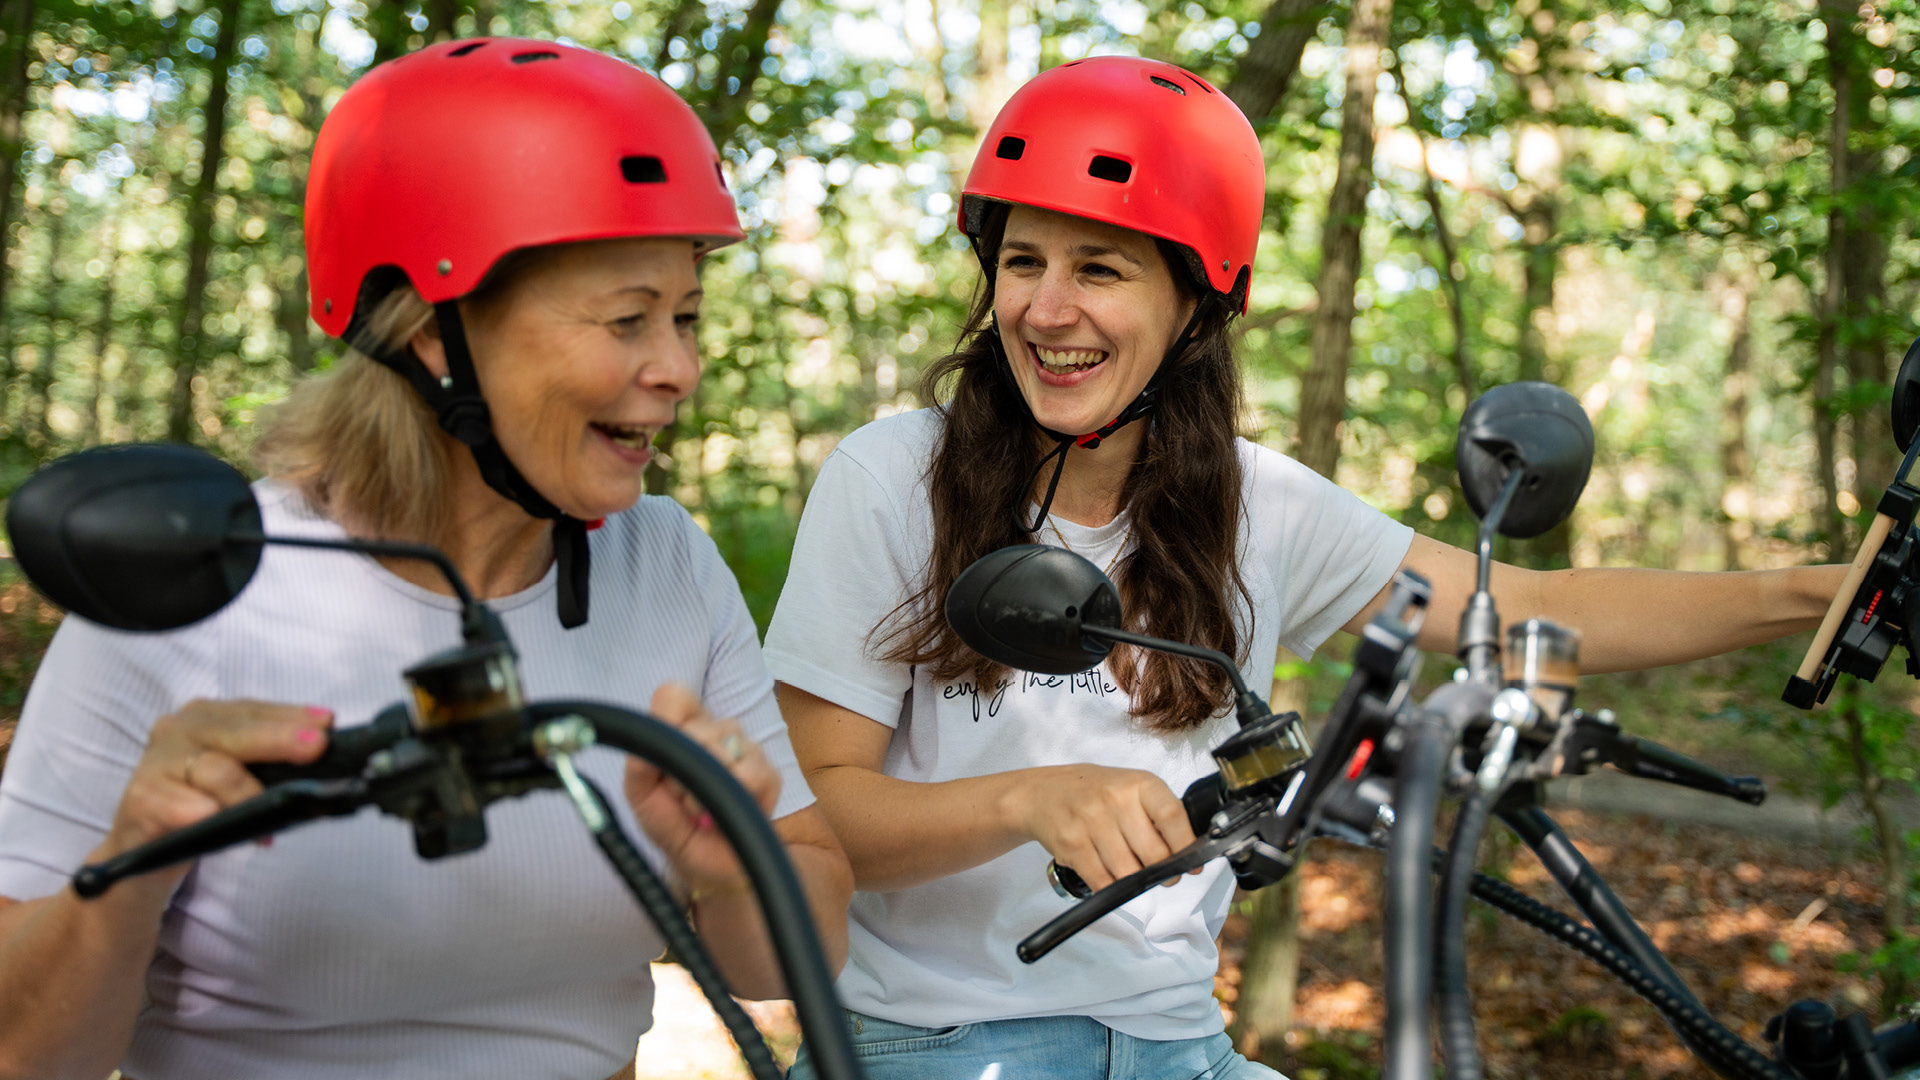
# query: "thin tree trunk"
1323,390
1272,59
990,79
17,24
42,404
678,20
1736,463
1889,837
1270,971
1833,294
103,325
741,53
1452,271
441,17
193,303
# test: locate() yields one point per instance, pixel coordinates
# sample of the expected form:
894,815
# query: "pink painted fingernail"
265,841
319,713
704,823
308,736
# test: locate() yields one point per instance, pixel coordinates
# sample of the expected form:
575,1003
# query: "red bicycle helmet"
442,161
1136,143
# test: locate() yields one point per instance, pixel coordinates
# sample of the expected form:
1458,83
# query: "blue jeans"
1034,1048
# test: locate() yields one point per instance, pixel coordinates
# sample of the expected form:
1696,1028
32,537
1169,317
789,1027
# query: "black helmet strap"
457,402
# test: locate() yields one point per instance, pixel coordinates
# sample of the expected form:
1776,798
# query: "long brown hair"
1182,575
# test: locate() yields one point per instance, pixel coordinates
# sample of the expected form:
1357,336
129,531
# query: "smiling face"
1086,311
582,357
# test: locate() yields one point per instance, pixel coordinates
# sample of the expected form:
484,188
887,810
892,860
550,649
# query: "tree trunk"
42,403
206,189
1736,464
1889,838
1323,390
1272,59
1270,971
103,324
741,53
990,89
1827,347
441,17
16,22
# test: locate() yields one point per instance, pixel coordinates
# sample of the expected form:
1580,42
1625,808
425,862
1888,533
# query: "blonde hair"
358,443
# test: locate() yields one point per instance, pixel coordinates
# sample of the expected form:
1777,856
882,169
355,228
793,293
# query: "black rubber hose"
647,888
1409,963
789,918
1583,885
1718,1047
1459,1047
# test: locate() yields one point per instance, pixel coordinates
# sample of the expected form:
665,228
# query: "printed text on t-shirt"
1085,682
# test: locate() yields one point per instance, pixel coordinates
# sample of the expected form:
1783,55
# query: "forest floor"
1751,920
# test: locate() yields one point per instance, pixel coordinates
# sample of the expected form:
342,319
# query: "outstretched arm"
1628,618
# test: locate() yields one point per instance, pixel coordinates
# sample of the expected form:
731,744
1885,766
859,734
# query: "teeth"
633,438
1067,361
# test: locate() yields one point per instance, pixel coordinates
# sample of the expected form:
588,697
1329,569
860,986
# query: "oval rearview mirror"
1906,398
1023,606
1534,426
136,537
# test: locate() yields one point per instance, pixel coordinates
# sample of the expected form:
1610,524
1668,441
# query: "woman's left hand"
686,833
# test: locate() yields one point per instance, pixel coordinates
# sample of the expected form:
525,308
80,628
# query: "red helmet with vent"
442,161
1136,143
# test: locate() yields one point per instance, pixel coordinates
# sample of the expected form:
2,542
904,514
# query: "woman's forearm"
1632,619
901,833
73,975
730,924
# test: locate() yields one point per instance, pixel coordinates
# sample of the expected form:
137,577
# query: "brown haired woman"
508,233
1115,205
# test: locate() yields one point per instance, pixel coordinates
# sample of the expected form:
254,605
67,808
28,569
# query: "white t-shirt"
1312,555
337,952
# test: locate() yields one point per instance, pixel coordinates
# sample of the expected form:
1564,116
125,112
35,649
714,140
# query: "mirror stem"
1479,644
1248,708
478,623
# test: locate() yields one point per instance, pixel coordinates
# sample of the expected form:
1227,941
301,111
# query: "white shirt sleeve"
855,560
84,728
1329,551
737,684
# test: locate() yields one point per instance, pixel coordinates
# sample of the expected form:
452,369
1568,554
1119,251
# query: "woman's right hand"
195,766
1103,822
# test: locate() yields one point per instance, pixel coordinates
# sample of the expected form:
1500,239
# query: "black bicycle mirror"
135,537
1534,426
1906,398
1023,606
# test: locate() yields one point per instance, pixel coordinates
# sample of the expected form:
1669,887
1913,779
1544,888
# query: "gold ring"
186,775
736,747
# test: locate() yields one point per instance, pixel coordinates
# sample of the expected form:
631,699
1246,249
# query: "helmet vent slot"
530,57
1169,84
467,48
1109,168
1011,147
1197,81
643,170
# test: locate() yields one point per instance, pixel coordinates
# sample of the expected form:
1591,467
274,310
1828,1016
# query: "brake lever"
1596,738
1232,842
284,804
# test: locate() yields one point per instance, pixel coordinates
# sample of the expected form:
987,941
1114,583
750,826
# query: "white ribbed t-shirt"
336,952
942,953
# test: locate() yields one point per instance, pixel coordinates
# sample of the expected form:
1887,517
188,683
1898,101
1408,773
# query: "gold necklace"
1062,537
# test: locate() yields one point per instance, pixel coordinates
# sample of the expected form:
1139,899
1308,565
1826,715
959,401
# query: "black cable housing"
1459,1046
784,904
659,903
1409,963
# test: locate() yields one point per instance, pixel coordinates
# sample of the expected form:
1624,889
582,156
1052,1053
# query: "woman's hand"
698,850
195,765
1104,823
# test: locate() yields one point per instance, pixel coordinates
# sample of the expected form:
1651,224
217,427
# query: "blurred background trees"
1696,215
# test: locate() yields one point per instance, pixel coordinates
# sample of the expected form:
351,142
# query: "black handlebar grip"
347,750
